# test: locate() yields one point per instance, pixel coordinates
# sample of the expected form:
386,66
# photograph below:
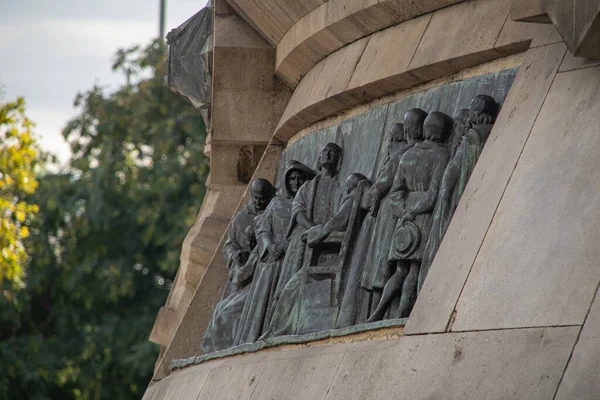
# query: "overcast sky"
52,49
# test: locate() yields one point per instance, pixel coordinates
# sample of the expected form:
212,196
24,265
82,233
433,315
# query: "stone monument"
447,230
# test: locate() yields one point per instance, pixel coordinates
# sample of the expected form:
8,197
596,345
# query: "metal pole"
163,14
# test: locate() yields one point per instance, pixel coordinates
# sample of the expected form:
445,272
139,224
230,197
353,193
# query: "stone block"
340,9
571,62
273,18
164,326
289,123
538,263
197,266
186,385
213,226
149,394
296,103
233,31
298,377
314,97
243,68
311,350
256,124
404,10
158,390
579,24
459,37
338,23
232,164
581,377
221,200
351,20
336,72
269,164
509,364
280,100
235,381
577,21
530,11
180,297
516,33
387,55
296,54
482,195
222,8
199,254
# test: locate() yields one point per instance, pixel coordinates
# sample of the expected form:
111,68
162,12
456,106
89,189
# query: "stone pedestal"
510,307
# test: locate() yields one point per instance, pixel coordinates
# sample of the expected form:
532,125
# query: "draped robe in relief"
261,292
377,271
317,198
352,293
453,185
221,331
272,231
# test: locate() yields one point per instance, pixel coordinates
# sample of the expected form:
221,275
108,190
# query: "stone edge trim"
330,27
287,340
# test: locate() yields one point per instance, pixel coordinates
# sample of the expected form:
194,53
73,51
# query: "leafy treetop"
19,156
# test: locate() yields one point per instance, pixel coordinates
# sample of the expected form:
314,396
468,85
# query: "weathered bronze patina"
241,241
330,251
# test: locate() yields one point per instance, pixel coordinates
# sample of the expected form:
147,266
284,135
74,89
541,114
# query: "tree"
19,157
107,243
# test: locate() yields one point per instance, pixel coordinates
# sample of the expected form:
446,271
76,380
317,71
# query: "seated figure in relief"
314,204
414,193
481,117
221,330
350,219
268,255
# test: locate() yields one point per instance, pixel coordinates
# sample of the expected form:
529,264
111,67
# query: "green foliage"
107,243
19,157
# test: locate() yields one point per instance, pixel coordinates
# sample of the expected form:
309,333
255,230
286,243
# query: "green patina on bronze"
346,246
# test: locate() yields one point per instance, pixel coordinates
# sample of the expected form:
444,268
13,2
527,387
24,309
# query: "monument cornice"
306,32
432,46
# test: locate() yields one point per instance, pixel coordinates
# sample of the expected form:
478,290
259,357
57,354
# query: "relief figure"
271,248
414,194
221,330
314,204
378,269
482,115
320,255
376,233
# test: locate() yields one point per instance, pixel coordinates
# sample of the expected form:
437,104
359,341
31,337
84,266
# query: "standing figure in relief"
482,115
375,272
414,194
461,126
378,270
271,248
315,202
221,330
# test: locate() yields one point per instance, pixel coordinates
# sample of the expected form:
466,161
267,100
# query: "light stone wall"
510,308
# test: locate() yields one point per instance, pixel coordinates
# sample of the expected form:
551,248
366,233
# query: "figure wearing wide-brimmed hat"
414,194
